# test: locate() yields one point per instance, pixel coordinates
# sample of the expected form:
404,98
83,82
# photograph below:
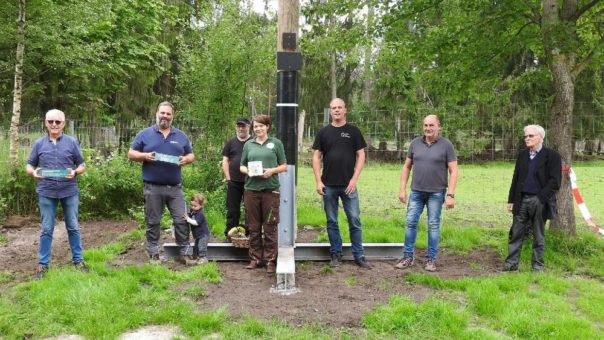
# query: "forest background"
487,68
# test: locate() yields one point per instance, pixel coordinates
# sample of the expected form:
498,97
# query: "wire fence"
479,133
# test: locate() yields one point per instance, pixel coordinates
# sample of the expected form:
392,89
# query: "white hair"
540,130
55,111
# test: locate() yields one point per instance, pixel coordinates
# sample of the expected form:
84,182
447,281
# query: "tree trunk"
559,27
368,81
333,83
18,89
560,137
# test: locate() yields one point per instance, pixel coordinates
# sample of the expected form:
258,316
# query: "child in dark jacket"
199,228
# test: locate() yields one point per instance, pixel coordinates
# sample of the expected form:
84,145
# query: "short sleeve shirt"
232,150
271,153
339,146
64,154
430,164
151,139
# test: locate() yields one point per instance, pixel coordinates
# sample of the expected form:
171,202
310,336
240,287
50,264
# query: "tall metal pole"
289,61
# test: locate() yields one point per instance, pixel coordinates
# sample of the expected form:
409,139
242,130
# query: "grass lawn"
564,302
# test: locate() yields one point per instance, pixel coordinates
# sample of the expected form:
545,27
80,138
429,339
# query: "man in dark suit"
532,197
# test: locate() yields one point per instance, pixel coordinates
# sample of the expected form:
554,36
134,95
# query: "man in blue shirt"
55,161
163,150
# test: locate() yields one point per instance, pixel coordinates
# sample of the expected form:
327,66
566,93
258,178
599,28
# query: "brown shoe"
271,267
187,260
253,264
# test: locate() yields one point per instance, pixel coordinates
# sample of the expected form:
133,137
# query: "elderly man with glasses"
532,197
55,161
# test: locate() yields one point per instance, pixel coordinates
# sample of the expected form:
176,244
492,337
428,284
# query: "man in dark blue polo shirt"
55,161
163,150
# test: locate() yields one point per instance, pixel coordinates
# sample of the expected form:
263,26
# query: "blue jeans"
417,200
351,208
48,211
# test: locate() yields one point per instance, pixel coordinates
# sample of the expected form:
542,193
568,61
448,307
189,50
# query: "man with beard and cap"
231,156
163,150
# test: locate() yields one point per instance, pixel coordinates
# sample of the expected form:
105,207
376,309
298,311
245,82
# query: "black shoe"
507,267
538,269
81,266
40,272
361,262
336,260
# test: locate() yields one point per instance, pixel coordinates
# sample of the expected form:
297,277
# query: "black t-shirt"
232,150
339,146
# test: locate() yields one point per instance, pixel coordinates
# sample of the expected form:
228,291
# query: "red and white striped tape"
581,204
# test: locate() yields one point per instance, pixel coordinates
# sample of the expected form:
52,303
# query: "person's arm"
453,173
358,167
73,173
316,168
272,171
512,192
402,193
30,170
190,220
225,168
138,156
186,159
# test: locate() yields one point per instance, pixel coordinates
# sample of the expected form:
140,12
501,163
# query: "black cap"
242,120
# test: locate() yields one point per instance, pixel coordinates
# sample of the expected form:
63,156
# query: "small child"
199,228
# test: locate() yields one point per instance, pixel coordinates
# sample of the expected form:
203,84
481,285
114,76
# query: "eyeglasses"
54,122
529,136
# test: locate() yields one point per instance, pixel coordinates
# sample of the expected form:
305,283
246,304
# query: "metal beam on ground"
301,252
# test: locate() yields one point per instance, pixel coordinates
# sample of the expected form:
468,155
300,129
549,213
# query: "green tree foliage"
227,67
82,53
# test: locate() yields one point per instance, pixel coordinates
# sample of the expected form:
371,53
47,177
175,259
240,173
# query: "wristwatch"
451,195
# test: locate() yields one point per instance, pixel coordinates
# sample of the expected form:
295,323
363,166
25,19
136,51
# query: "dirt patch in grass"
335,297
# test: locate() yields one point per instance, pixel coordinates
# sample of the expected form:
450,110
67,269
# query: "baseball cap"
242,120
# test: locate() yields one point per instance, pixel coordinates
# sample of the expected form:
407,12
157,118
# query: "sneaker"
154,259
187,260
81,266
430,266
202,260
361,262
336,260
40,272
405,263
271,267
508,267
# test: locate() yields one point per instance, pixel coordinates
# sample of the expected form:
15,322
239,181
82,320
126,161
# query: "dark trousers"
262,213
233,204
156,198
529,216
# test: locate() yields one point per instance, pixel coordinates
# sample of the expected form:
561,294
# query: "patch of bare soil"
335,297
19,255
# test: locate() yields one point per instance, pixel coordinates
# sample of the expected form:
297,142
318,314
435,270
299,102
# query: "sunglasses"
529,136
54,122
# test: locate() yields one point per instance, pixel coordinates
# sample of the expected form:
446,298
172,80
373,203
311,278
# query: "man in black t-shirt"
341,148
231,156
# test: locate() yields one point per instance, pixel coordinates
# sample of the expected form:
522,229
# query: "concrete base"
286,272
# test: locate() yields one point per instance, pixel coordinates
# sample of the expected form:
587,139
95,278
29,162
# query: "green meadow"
566,301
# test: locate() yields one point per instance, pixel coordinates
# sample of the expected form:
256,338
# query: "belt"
162,185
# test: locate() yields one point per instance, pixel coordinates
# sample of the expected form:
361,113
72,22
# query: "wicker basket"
240,242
